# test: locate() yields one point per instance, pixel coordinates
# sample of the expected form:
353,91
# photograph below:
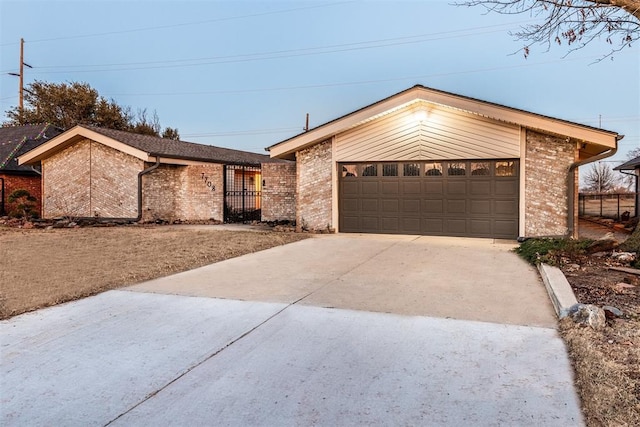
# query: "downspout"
140,174
571,179
2,197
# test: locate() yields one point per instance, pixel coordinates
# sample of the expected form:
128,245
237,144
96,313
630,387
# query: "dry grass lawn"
39,268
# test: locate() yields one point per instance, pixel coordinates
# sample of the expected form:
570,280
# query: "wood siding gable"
444,133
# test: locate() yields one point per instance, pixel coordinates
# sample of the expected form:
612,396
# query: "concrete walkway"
253,341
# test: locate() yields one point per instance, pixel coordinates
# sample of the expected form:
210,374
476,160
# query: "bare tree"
576,22
600,178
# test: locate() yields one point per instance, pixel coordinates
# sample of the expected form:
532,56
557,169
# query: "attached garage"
429,162
441,198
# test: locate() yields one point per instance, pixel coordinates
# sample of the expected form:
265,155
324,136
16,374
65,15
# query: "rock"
624,256
602,245
622,286
27,225
588,315
611,312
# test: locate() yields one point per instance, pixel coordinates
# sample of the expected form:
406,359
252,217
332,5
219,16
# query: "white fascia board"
506,114
74,134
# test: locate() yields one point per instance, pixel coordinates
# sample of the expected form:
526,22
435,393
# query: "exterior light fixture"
420,115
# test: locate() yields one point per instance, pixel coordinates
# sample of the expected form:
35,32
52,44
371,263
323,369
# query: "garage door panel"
350,187
390,187
480,227
433,187
410,225
390,224
391,205
456,206
480,188
507,187
480,207
433,226
369,188
411,186
456,226
369,205
349,205
506,207
410,206
460,205
505,228
458,187
433,206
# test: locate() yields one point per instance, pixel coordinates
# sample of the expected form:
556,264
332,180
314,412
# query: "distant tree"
68,104
171,133
25,207
600,178
576,22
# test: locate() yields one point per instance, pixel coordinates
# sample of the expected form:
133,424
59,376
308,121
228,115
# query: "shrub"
536,251
25,208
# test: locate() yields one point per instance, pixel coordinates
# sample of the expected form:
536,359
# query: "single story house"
632,165
429,162
15,141
91,172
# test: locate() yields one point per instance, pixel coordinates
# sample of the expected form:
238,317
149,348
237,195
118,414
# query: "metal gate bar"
242,193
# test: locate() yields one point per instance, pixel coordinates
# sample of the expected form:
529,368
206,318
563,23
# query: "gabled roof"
630,165
599,140
17,140
145,147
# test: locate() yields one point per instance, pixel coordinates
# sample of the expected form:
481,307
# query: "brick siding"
173,192
548,159
314,187
21,182
279,192
89,179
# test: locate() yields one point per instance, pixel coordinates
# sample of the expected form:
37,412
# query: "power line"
395,41
183,24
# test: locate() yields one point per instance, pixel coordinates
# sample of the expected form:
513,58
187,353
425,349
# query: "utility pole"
21,76
306,126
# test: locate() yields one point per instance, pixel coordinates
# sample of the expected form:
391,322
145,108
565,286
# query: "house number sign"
208,182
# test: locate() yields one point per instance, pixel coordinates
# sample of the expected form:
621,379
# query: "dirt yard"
40,268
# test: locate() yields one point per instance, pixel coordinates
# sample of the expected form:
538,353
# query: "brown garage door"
441,198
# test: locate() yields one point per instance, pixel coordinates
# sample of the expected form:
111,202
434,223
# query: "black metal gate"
242,193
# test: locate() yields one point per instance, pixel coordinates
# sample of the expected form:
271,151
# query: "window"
411,169
433,169
349,171
457,168
370,170
506,168
390,169
480,168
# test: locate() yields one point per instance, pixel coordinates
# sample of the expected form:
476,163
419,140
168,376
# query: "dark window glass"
480,168
506,168
390,169
457,168
370,170
433,169
349,171
411,169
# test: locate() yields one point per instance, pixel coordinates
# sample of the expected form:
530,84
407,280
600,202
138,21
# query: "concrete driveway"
335,330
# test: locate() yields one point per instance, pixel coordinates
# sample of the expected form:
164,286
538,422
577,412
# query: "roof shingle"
17,140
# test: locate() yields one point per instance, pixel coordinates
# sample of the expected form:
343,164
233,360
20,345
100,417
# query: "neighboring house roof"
17,140
596,140
145,147
630,165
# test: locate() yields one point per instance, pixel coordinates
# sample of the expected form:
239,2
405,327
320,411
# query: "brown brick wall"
89,179
547,164
22,182
314,187
279,192
173,192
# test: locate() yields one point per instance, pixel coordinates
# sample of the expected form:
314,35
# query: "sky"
243,74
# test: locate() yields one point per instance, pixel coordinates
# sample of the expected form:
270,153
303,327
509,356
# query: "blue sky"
243,74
